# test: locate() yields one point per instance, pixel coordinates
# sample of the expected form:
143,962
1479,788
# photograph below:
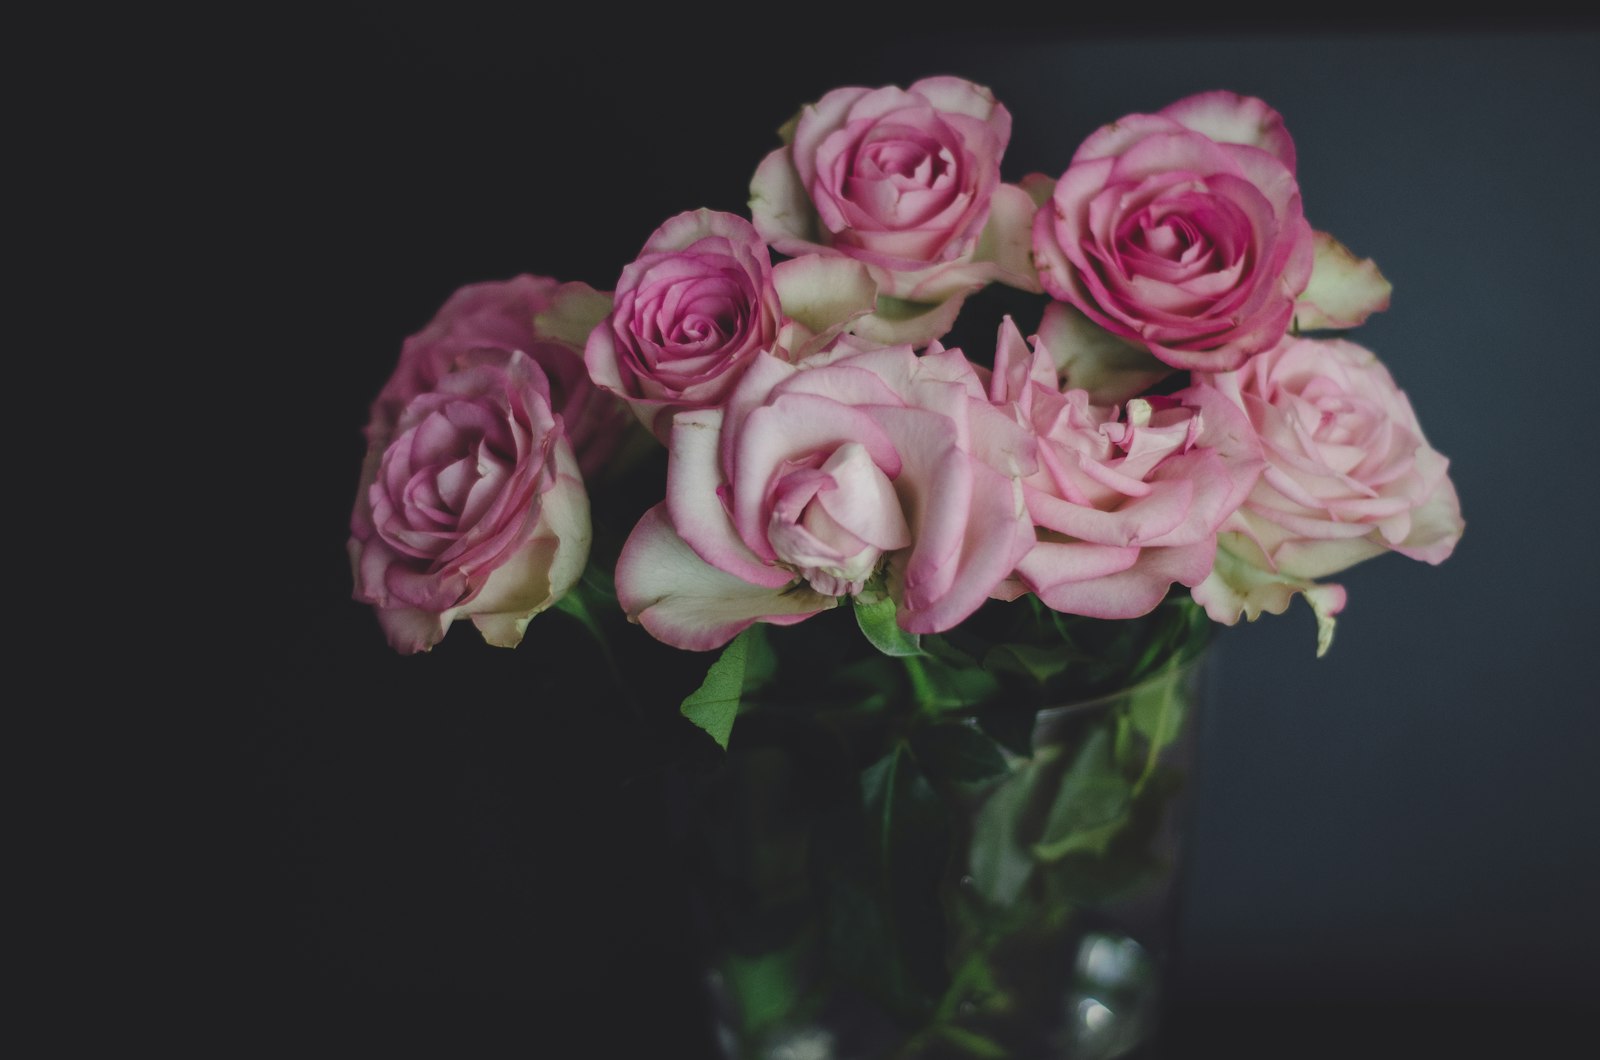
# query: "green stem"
1155,737
575,604
921,685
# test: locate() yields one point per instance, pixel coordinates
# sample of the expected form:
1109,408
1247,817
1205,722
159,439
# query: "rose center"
832,523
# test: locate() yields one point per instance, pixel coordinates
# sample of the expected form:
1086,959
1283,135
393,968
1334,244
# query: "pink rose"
545,319
470,504
700,301
1349,476
816,476
1182,230
1127,500
906,181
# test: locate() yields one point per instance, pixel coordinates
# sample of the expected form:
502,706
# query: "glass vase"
867,889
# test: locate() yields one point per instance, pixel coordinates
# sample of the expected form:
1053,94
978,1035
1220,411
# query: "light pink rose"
1349,476
545,319
1127,499
700,301
906,181
1182,230
470,505
815,476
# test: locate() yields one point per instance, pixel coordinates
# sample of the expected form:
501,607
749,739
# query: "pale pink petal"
957,95
687,603
694,505
1136,590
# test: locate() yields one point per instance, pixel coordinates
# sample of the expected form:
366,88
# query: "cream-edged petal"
1088,357
779,206
687,603
1230,118
574,311
897,322
1007,239
1344,290
694,505
1240,583
823,293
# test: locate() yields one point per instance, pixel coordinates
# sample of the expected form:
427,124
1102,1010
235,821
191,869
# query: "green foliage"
875,613
911,823
1090,804
907,827
767,986
958,752
715,704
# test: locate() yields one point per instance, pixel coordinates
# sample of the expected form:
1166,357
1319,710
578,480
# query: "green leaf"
875,613
958,752
1033,661
971,1042
715,704
974,982
907,842
767,984
1000,865
947,678
1156,708
1091,840
1090,806
760,660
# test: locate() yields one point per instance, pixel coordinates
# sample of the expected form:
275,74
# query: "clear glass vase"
957,894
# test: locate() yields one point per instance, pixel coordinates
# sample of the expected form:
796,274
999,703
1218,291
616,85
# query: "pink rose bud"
906,181
1182,230
470,503
690,313
1349,476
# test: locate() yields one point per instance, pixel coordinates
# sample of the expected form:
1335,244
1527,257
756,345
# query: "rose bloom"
1126,499
470,505
906,181
1349,476
545,319
815,476
1182,230
700,301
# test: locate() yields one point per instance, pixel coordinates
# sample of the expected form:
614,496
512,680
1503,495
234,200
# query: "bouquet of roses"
768,419
1169,421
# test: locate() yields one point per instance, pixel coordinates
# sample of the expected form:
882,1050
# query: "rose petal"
687,603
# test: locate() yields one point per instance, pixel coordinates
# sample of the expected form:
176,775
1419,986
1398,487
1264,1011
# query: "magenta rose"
1126,499
545,319
1349,476
1182,230
816,476
906,181
700,301
470,505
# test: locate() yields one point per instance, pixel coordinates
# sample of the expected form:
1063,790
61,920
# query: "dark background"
1396,848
